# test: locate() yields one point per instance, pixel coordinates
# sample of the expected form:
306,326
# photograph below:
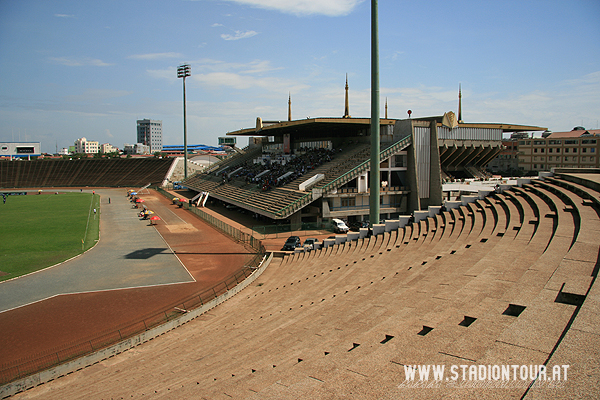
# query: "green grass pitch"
37,231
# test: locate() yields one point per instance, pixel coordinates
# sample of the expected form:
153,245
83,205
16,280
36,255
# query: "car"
309,244
291,243
339,226
356,225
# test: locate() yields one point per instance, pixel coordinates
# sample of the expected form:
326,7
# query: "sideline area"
129,254
140,270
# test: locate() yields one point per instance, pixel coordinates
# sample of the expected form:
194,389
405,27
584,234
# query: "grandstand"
507,279
104,172
277,177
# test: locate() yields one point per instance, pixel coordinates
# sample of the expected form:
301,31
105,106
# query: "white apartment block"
149,132
83,145
108,148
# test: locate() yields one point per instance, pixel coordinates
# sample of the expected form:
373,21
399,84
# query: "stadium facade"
315,169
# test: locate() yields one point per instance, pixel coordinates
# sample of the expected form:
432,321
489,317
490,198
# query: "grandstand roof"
275,128
192,147
314,125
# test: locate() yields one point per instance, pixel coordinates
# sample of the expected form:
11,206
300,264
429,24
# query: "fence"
281,230
59,355
229,230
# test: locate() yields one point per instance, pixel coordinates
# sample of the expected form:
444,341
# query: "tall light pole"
182,72
375,178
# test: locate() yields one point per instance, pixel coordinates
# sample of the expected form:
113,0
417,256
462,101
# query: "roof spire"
386,108
459,104
347,106
289,106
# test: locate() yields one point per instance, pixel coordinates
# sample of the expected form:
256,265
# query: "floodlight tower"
374,198
182,72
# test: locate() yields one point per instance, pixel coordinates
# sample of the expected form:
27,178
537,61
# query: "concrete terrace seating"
495,282
129,172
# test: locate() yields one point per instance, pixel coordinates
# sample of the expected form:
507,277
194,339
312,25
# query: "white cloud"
64,15
155,56
95,95
239,35
331,8
107,132
168,74
216,25
242,82
79,62
253,67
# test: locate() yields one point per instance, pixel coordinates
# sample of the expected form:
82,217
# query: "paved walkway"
130,254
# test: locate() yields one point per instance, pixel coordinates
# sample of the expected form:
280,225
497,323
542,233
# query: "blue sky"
80,68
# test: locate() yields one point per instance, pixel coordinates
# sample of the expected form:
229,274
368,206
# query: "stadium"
493,287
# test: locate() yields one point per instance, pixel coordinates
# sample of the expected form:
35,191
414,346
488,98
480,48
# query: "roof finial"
289,106
347,106
459,104
386,108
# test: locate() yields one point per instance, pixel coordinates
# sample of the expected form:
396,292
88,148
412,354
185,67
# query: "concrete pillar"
296,220
435,169
414,199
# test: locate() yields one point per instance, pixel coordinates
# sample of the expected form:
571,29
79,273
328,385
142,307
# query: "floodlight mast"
374,197
184,71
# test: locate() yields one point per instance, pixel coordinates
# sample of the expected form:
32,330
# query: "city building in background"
108,148
83,145
20,149
227,141
507,162
138,148
578,148
149,132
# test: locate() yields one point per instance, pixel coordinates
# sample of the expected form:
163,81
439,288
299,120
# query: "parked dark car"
356,225
291,243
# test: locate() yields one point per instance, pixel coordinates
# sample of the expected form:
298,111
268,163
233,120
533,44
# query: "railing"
242,157
363,207
59,355
229,230
296,205
286,229
359,169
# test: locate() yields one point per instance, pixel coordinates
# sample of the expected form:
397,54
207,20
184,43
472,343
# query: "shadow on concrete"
145,254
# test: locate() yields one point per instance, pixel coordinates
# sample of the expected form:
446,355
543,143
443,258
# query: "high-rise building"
149,132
